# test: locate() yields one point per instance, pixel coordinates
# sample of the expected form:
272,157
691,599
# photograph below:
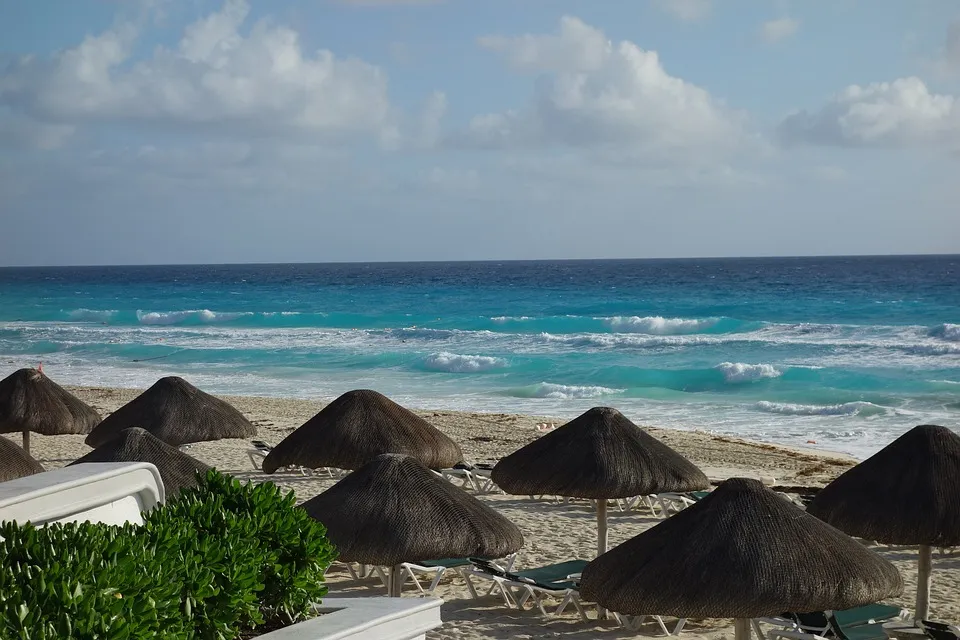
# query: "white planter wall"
109,492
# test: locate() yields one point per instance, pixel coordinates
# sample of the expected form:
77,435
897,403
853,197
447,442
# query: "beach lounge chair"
484,481
939,630
437,569
258,453
819,622
461,474
647,502
261,449
633,623
519,587
671,503
859,623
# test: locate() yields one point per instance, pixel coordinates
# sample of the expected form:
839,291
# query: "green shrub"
294,547
83,580
216,560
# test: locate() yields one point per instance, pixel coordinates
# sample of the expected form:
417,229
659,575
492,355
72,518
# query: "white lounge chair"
438,568
633,623
260,451
519,587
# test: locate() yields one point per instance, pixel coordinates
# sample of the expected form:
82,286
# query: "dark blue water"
847,351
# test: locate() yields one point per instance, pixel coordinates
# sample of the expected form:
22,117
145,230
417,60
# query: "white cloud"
776,30
686,10
594,93
259,83
892,114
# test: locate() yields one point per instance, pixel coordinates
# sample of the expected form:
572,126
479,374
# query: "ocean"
846,352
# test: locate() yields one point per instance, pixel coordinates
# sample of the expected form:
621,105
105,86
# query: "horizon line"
481,261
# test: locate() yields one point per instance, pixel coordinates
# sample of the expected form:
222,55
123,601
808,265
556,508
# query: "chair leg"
575,600
662,626
758,630
435,581
408,572
470,587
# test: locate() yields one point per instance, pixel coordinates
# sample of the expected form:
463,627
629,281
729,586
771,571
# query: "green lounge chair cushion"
446,563
865,614
552,575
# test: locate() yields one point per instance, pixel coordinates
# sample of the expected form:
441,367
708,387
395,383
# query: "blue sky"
169,131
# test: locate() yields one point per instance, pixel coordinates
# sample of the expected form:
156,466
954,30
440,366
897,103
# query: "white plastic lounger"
436,568
519,587
633,623
261,449
461,477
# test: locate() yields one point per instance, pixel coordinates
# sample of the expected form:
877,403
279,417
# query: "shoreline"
487,437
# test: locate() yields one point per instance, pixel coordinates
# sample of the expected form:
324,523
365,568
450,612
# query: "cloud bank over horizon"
235,135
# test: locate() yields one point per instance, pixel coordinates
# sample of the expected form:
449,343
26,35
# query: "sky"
188,131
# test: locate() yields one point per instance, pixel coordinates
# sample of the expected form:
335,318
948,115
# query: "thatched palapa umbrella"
30,401
395,510
357,427
15,462
600,455
176,412
906,493
742,552
177,469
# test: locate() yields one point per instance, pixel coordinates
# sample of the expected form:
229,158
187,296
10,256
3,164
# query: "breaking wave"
457,363
658,325
735,372
560,391
198,316
946,331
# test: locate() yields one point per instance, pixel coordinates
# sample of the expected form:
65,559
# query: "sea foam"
857,408
551,390
735,372
203,316
946,331
457,363
657,325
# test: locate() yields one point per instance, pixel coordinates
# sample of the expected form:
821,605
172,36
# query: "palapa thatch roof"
395,510
15,462
906,493
30,401
600,454
176,412
357,427
177,469
741,552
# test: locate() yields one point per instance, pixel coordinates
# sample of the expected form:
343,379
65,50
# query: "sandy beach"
553,531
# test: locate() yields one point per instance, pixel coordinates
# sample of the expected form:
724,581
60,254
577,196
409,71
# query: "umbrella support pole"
26,441
601,543
601,527
923,582
741,629
395,581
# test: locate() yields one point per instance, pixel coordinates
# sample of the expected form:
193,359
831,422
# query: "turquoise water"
845,351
